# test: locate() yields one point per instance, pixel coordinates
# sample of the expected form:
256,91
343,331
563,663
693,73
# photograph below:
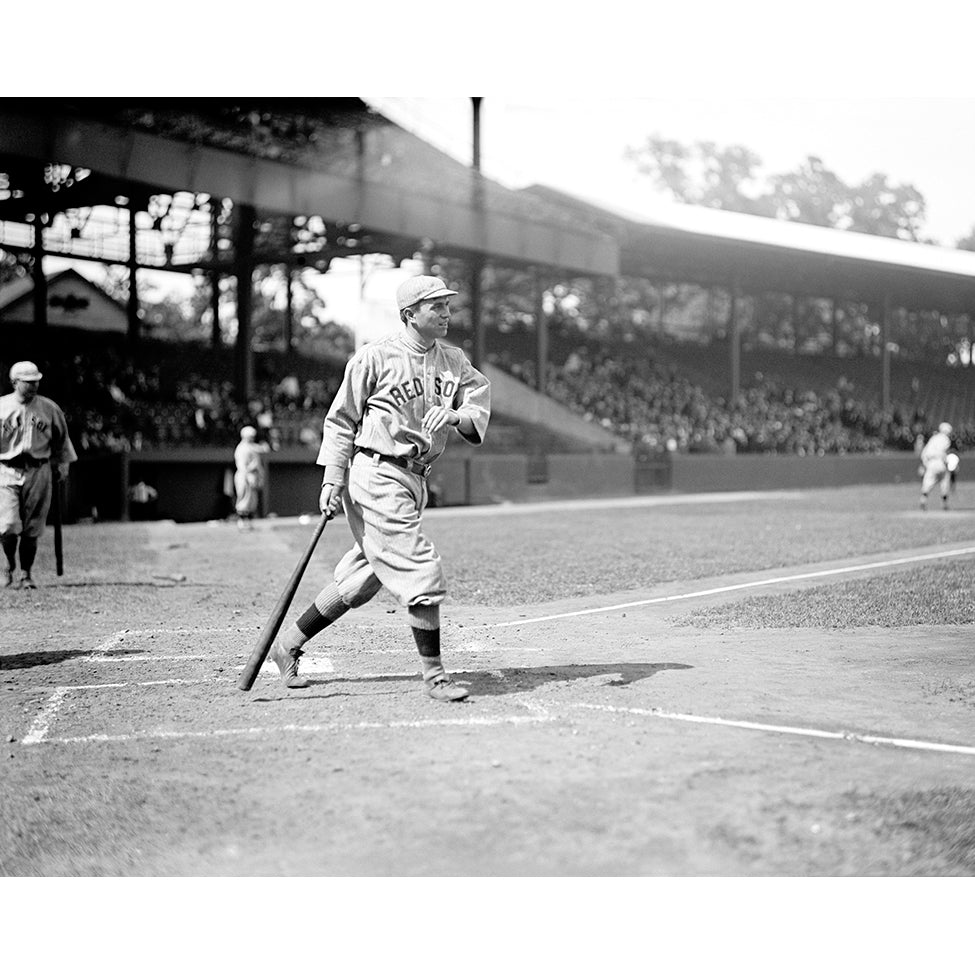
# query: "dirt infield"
604,735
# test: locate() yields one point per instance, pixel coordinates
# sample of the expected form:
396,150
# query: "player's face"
26,390
431,319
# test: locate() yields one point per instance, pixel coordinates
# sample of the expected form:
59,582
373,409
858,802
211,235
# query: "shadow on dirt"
490,683
18,661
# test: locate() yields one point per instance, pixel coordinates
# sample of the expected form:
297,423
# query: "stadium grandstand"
620,344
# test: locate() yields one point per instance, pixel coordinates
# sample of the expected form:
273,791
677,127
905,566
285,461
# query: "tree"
11,267
876,207
812,194
967,243
702,173
170,319
727,178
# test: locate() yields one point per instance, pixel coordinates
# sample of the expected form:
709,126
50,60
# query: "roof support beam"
275,187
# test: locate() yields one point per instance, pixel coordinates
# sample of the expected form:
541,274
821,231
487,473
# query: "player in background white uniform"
33,436
934,465
386,427
248,476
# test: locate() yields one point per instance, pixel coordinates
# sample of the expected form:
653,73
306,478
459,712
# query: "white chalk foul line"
42,723
511,719
931,746
822,573
38,731
310,665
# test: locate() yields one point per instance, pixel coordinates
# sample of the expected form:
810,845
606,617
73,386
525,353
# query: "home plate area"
173,683
180,683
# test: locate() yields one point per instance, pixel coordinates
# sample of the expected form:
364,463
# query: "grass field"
734,686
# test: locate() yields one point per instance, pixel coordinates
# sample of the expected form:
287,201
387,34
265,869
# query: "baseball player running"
934,466
386,427
33,436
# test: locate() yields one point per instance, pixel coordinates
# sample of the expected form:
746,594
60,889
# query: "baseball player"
248,476
33,436
934,466
386,427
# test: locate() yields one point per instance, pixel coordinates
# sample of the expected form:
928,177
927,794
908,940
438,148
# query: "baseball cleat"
287,661
442,688
26,582
8,578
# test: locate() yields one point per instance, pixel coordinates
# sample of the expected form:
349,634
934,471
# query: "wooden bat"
270,631
56,515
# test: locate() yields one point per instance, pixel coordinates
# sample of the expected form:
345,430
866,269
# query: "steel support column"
477,260
37,271
541,335
885,354
734,341
215,334
244,271
288,309
477,325
132,305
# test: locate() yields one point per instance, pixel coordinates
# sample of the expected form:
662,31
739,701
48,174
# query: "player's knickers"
25,499
246,487
384,504
935,471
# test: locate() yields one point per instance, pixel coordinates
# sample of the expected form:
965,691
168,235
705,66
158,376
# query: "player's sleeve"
473,400
345,416
62,449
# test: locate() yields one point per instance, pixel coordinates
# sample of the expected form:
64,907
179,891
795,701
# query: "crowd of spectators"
656,409
118,399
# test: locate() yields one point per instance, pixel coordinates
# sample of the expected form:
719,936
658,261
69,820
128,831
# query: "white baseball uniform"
248,475
32,436
934,458
374,444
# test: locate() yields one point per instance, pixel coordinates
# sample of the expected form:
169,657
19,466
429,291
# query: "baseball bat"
270,631
56,515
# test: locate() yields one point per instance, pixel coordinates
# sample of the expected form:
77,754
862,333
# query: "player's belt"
414,466
25,460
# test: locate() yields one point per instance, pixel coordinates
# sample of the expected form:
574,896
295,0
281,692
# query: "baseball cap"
24,370
945,428
420,288
248,432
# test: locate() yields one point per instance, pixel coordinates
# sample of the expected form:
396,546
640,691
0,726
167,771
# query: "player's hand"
438,417
63,471
331,499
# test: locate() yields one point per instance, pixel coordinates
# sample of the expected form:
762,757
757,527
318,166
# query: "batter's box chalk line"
39,732
546,710
931,746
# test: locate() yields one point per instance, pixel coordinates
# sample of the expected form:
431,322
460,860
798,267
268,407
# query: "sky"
577,144
867,85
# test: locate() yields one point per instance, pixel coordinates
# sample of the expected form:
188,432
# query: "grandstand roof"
711,246
334,158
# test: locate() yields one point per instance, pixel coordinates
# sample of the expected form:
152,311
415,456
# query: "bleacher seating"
658,395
